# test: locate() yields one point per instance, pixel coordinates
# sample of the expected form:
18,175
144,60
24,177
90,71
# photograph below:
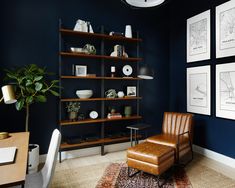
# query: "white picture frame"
80,70
199,37
225,32
131,91
199,90
225,91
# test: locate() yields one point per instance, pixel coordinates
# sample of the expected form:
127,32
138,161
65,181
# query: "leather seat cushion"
151,153
169,140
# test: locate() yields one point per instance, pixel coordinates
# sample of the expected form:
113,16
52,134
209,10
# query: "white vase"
128,31
121,94
33,158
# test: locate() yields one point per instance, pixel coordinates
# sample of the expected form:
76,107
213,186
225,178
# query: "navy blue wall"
29,34
210,132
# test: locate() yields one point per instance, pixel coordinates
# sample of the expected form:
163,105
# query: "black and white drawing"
80,70
225,29
131,91
198,37
225,90
198,90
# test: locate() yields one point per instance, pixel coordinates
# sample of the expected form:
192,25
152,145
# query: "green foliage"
73,106
31,85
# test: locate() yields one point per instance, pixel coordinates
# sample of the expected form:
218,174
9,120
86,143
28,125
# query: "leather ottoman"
150,157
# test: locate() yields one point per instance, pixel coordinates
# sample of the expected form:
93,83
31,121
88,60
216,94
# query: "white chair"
42,179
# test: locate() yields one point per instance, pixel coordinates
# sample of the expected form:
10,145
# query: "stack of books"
114,115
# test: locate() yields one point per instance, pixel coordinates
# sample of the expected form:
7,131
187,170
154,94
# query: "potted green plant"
32,86
72,109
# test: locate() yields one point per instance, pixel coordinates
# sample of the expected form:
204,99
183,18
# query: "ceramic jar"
120,94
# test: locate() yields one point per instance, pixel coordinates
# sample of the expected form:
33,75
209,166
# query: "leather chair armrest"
178,142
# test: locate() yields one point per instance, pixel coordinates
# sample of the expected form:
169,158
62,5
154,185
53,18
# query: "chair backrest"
177,123
49,167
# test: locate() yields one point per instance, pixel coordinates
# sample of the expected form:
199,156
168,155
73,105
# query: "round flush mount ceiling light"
144,3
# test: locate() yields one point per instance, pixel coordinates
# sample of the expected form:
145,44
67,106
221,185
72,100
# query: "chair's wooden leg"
129,172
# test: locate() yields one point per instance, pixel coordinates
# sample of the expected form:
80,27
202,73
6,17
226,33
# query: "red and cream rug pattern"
115,176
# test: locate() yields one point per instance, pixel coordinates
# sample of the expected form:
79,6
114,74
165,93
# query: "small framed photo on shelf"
131,91
80,70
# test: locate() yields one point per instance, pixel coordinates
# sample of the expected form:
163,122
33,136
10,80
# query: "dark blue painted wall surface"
29,34
210,132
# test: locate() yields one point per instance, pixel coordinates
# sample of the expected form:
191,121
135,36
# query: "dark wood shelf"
82,55
101,99
100,120
100,78
106,141
98,36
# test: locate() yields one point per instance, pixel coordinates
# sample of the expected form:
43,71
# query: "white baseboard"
215,156
123,146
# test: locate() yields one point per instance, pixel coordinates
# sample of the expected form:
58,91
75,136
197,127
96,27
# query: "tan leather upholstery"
149,157
173,125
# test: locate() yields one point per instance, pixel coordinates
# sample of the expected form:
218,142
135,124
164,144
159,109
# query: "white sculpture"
83,26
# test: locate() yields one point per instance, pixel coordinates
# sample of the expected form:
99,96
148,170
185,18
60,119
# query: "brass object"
8,94
3,135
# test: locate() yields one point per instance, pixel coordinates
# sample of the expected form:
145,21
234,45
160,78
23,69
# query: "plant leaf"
19,104
37,78
38,86
54,93
28,83
41,98
29,99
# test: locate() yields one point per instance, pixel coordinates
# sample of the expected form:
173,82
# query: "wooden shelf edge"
86,121
81,55
100,99
97,142
100,78
99,35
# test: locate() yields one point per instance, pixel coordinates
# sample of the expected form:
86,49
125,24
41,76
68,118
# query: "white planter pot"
33,158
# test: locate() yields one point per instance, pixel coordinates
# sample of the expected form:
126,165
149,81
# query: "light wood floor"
121,156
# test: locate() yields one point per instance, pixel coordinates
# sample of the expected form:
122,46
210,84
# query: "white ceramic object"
93,114
127,70
84,94
33,158
128,31
120,94
79,50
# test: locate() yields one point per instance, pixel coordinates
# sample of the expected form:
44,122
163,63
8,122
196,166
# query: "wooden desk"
14,174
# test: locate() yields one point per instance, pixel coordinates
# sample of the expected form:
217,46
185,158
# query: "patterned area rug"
115,176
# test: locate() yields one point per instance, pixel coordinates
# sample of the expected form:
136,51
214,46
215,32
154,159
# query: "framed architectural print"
225,90
198,37
225,29
199,90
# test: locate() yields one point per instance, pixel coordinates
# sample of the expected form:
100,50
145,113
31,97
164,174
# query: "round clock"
93,114
127,70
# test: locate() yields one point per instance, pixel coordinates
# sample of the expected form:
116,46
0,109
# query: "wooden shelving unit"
104,57
106,141
101,99
99,78
98,36
65,56
101,120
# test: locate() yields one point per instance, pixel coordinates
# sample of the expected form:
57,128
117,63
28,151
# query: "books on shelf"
114,115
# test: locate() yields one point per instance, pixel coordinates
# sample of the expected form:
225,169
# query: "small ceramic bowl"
84,94
78,50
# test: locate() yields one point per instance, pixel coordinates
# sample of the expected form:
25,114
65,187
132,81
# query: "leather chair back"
177,123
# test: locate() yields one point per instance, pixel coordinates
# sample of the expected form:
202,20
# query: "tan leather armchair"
177,132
